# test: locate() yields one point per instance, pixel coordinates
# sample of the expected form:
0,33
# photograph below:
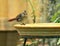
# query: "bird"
19,17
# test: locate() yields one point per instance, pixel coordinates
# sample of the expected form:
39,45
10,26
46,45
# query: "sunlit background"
38,11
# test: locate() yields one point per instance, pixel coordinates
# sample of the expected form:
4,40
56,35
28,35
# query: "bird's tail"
12,19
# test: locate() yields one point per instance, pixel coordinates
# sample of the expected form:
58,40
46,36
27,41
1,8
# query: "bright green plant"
56,14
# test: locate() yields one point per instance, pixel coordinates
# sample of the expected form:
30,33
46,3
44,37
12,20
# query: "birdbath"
38,30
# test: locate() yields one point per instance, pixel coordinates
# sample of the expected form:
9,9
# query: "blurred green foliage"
56,14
